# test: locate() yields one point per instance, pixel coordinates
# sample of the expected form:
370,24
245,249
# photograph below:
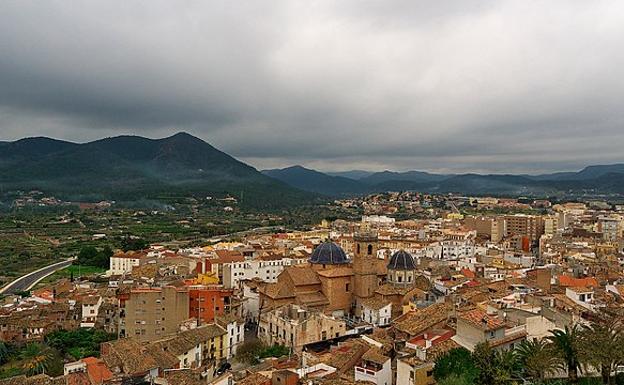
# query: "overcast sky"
485,86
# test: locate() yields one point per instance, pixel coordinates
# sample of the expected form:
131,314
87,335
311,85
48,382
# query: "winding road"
26,282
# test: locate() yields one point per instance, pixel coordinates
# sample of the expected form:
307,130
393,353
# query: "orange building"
207,301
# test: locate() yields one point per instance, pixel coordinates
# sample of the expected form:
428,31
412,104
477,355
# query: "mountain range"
592,180
134,168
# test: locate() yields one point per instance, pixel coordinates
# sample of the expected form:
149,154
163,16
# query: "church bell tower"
365,265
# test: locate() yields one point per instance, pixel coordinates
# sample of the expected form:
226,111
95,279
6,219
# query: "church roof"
401,260
302,275
329,253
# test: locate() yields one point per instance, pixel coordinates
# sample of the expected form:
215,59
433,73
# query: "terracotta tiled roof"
97,370
302,276
481,319
277,290
132,358
567,281
183,377
417,321
254,379
91,300
336,271
227,256
375,355
312,299
375,303
468,273
441,348
79,378
187,340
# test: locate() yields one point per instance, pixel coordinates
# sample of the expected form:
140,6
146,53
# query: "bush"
90,256
456,362
79,343
250,352
275,351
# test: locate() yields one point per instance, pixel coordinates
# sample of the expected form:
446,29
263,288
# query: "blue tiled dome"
329,253
401,260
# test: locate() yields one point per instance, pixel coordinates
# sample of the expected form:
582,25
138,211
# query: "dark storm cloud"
490,86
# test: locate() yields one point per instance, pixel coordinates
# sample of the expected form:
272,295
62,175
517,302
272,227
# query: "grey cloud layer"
499,86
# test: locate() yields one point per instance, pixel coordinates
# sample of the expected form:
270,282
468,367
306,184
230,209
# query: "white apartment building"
122,263
610,228
265,269
374,367
458,245
378,220
235,329
377,312
90,309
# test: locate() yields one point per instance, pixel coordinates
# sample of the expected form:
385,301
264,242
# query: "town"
419,289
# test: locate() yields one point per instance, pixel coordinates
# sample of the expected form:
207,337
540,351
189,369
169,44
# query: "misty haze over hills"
135,168
603,179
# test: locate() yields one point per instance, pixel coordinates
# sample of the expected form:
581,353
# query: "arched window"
370,249
358,248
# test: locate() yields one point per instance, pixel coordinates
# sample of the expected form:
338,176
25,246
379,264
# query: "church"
339,286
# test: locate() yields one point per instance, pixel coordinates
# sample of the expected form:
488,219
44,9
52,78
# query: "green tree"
4,352
91,256
35,358
455,362
87,255
249,352
507,367
566,343
80,343
133,243
483,358
602,344
275,351
538,358
455,379
495,367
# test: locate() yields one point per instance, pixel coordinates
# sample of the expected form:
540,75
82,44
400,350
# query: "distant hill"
408,176
353,174
133,168
587,173
591,180
315,181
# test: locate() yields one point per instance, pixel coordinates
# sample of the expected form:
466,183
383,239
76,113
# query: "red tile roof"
227,256
468,273
567,281
481,319
97,370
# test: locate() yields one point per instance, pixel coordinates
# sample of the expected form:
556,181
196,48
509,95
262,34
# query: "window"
370,249
347,287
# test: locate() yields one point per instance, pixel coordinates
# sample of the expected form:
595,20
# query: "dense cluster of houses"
376,300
